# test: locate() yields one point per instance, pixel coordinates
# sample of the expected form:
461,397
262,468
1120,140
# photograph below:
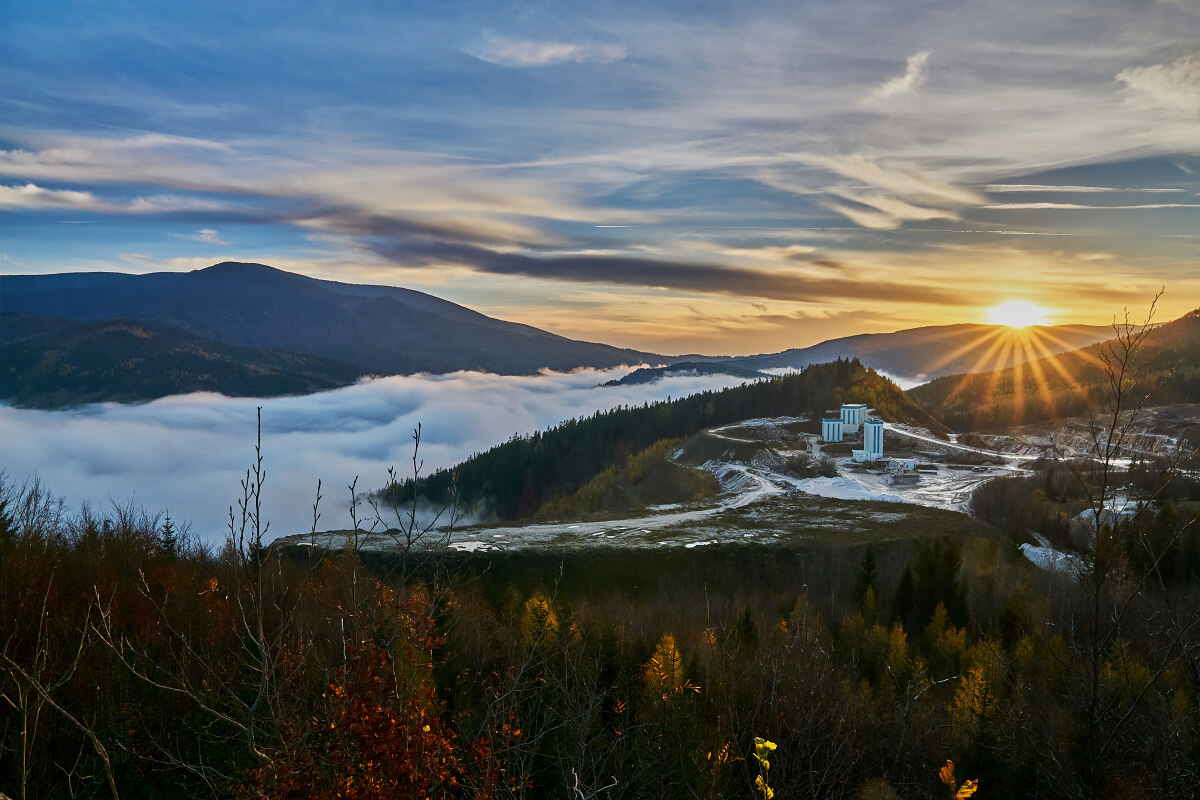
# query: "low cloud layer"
188,453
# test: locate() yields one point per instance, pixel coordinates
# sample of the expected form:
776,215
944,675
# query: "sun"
1017,314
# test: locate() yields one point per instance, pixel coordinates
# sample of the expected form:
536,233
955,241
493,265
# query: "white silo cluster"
853,416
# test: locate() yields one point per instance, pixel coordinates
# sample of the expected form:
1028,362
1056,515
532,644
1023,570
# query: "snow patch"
1052,560
471,546
846,489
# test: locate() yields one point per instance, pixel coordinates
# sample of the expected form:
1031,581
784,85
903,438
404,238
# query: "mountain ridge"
388,330
926,352
1066,384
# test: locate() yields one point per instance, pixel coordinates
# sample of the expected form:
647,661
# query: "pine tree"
168,538
868,575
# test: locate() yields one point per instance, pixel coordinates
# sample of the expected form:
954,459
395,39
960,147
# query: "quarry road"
904,430
749,484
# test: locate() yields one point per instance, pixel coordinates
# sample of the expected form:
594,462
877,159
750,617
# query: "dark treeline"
1065,385
1050,502
515,478
257,673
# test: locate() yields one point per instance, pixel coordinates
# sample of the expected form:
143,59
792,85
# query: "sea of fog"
187,454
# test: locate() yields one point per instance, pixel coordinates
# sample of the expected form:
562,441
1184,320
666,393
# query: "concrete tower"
873,439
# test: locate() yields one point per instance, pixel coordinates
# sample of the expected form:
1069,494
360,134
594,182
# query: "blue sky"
679,177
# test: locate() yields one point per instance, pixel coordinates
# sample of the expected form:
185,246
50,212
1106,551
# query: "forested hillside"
516,477
48,363
528,676
385,329
1065,385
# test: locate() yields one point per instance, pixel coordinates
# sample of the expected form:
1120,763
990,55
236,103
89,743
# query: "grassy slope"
644,479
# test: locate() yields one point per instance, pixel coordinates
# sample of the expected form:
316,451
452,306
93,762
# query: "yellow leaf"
968,788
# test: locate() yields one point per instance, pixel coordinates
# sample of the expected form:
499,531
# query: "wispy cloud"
915,74
1081,207
999,188
206,235
630,270
1174,87
32,196
904,180
539,53
900,192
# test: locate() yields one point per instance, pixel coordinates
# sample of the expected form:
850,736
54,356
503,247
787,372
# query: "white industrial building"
831,429
872,449
873,438
853,415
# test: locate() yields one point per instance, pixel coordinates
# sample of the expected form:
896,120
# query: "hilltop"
379,329
1065,385
920,354
514,479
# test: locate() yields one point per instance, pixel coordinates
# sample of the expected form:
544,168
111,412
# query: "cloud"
1080,207
663,273
900,193
208,236
532,53
892,211
1174,87
999,188
915,75
187,453
177,162
34,197
904,180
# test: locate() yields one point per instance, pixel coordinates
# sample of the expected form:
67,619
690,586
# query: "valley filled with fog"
187,454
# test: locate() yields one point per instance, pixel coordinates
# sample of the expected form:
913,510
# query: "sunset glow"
699,181
1017,314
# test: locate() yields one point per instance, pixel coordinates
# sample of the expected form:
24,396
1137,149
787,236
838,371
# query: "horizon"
664,178
1019,329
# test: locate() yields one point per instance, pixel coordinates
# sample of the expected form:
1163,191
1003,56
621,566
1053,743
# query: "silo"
873,439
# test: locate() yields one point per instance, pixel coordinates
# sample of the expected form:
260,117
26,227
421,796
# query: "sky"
677,177
185,455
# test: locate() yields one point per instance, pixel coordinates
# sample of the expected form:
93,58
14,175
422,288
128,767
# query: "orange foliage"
380,732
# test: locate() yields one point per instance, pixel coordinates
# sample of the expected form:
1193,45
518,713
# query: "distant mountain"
685,368
921,354
1067,384
47,363
383,329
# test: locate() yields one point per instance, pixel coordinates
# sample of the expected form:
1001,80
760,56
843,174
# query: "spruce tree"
168,538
